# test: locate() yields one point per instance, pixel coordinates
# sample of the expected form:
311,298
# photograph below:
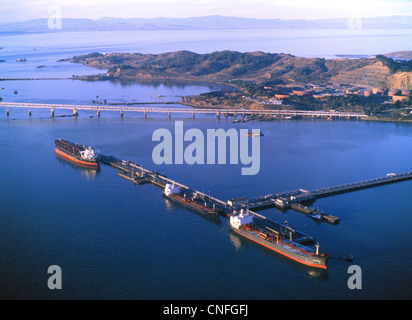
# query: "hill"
255,67
405,55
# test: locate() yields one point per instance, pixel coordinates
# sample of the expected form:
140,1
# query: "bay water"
116,240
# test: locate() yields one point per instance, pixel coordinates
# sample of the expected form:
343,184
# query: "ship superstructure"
277,237
82,155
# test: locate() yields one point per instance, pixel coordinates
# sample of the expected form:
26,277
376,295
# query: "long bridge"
234,112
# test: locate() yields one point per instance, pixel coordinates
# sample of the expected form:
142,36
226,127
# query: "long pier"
294,200
234,112
139,175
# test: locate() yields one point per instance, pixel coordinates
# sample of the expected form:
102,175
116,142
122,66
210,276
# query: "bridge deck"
126,107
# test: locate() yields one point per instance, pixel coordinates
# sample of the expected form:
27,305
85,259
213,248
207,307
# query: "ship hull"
308,260
76,160
190,204
73,152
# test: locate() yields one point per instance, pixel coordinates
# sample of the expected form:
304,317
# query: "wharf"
294,200
132,178
326,192
139,175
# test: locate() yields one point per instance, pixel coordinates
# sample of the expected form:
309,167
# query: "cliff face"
401,81
258,67
373,75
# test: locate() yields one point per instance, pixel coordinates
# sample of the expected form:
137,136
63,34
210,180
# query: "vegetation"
250,67
253,72
394,66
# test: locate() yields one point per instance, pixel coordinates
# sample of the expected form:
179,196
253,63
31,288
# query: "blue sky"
22,10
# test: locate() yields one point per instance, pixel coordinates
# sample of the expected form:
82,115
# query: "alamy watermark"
355,22
55,17
55,280
355,280
202,150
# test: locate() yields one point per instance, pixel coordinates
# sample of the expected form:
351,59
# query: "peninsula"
377,85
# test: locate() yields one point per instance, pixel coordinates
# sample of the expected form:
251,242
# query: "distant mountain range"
204,23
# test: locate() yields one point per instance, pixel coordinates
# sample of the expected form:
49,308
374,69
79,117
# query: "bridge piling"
217,111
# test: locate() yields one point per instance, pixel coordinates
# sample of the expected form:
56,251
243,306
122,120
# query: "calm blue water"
114,240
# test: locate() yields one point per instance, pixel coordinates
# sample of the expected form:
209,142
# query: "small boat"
316,216
254,134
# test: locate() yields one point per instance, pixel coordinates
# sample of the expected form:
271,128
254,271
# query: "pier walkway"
294,200
139,175
146,110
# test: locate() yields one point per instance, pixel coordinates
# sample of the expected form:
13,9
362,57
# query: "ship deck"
283,229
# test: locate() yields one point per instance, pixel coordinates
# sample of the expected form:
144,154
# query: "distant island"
379,86
212,22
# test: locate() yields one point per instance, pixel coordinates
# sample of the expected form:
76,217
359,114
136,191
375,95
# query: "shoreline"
100,77
186,80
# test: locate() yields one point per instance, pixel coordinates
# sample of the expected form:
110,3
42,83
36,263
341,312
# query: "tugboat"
263,233
81,155
254,134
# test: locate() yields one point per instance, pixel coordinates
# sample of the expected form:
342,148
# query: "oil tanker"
174,193
263,232
81,155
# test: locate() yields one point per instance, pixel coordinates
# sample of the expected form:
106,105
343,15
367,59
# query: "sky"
23,10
